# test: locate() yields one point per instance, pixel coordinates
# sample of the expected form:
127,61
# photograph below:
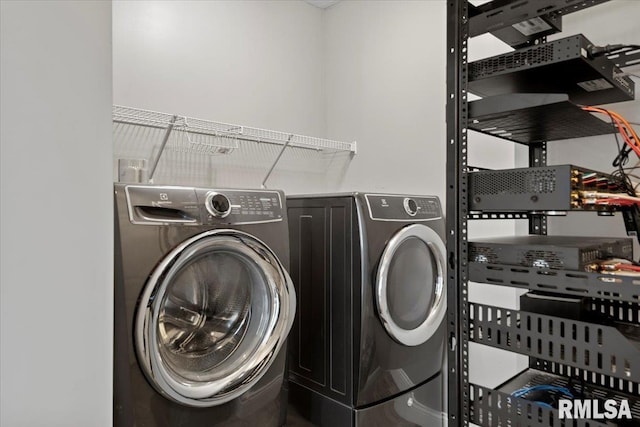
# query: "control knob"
410,206
218,205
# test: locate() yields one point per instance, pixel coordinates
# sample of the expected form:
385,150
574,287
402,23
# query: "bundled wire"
613,199
547,391
623,178
543,387
616,266
629,135
631,143
627,267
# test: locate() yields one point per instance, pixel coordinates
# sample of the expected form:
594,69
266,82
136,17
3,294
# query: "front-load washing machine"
203,306
367,347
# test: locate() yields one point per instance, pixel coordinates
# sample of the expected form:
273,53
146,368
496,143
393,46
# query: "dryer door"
212,318
410,286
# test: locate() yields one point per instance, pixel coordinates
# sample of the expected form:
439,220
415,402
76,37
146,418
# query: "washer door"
212,318
410,291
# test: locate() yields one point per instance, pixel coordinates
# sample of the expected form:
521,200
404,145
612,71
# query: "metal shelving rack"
602,360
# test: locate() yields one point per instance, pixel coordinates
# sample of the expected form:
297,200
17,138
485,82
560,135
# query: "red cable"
627,267
628,135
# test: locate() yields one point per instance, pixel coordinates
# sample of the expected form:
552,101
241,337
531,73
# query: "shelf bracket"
284,147
165,138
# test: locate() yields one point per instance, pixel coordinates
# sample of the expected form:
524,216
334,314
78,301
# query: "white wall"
253,63
385,83
366,71
230,61
56,214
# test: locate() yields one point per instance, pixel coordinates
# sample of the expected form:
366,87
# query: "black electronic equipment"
556,252
545,189
559,66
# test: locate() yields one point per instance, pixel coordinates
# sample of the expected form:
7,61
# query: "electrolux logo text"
594,409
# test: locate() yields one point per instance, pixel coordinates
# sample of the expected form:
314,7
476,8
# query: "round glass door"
410,289
212,317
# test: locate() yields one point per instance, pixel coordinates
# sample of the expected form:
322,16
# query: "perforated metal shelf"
615,385
497,408
598,348
528,118
594,285
502,13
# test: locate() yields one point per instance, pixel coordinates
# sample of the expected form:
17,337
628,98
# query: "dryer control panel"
403,208
154,204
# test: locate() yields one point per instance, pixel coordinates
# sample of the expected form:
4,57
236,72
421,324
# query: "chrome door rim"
422,333
212,393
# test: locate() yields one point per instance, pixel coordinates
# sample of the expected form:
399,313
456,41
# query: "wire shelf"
186,140
223,137
301,141
172,139
136,116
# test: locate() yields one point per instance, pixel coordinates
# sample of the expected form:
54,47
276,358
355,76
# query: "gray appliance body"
367,347
203,305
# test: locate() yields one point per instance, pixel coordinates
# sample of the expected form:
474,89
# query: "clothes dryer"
203,306
367,347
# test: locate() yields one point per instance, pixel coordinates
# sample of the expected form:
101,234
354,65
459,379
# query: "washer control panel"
152,204
240,206
403,208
